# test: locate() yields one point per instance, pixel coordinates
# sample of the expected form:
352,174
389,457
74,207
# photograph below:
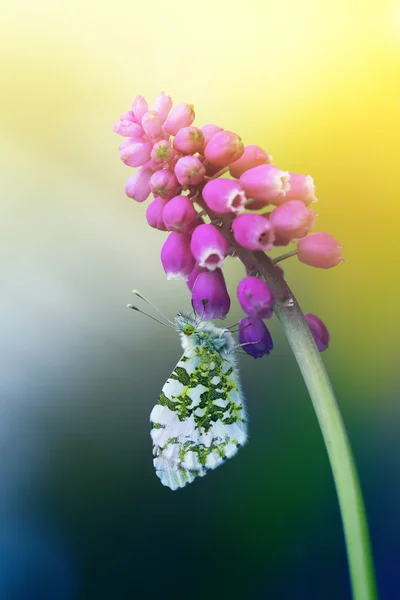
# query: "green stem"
284,256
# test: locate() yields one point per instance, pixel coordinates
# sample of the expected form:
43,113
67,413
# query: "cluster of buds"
215,195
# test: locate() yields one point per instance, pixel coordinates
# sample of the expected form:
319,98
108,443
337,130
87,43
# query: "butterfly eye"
188,329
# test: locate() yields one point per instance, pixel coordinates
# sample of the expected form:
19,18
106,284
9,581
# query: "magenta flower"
253,156
176,257
154,214
152,124
139,107
128,129
292,219
255,298
210,296
254,337
224,196
182,115
320,250
189,140
209,247
265,183
209,131
136,153
194,275
179,215
224,148
301,188
189,170
254,232
318,330
162,152
163,183
138,184
162,105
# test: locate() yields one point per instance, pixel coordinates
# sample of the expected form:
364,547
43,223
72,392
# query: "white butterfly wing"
199,420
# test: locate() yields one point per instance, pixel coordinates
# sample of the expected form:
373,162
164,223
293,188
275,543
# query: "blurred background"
82,515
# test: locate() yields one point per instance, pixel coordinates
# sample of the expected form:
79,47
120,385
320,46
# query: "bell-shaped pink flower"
135,154
253,156
209,131
209,295
128,129
163,183
265,183
255,298
180,215
281,240
189,140
253,232
292,219
154,213
138,184
139,107
302,188
128,116
224,148
319,331
194,275
254,337
176,256
182,115
209,247
320,250
224,196
162,152
189,170
162,105
152,124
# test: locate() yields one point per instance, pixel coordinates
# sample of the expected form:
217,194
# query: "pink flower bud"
189,170
253,232
224,148
162,152
128,116
265,183
194,275
255,298
138,184
154,213
209,247
128,129
281,240
136,153
189,140
180,215
292,219
163,183
301,188
320,250
209,131
151,124
224,196
182,115
162,104
319,331
253,156
176,257
139,107
210,296
254,337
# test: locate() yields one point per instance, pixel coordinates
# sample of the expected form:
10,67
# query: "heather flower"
128,129
320,250
253,232
154,213
209,247
138,184
152,124
195,273
189,140
176,257
163,183
139,107
292,219
162,152
179,215
265,183
224,148
255,298
209,131
209,295
162,105
189,170
252,156
136,153
224,196
318,330
301,188
254,337
182,115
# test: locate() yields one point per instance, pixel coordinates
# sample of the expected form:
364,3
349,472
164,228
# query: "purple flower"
319,331
180,215
176,257
209,247
224,196
255,298
254,337
210,296
253,232
154,213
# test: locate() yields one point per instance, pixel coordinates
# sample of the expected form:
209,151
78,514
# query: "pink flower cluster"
183,167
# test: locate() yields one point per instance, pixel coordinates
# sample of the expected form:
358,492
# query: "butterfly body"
199,420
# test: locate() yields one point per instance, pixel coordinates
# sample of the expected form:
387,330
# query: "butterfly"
199,420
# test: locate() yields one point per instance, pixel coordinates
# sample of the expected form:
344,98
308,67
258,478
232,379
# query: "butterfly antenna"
139,295
133,307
